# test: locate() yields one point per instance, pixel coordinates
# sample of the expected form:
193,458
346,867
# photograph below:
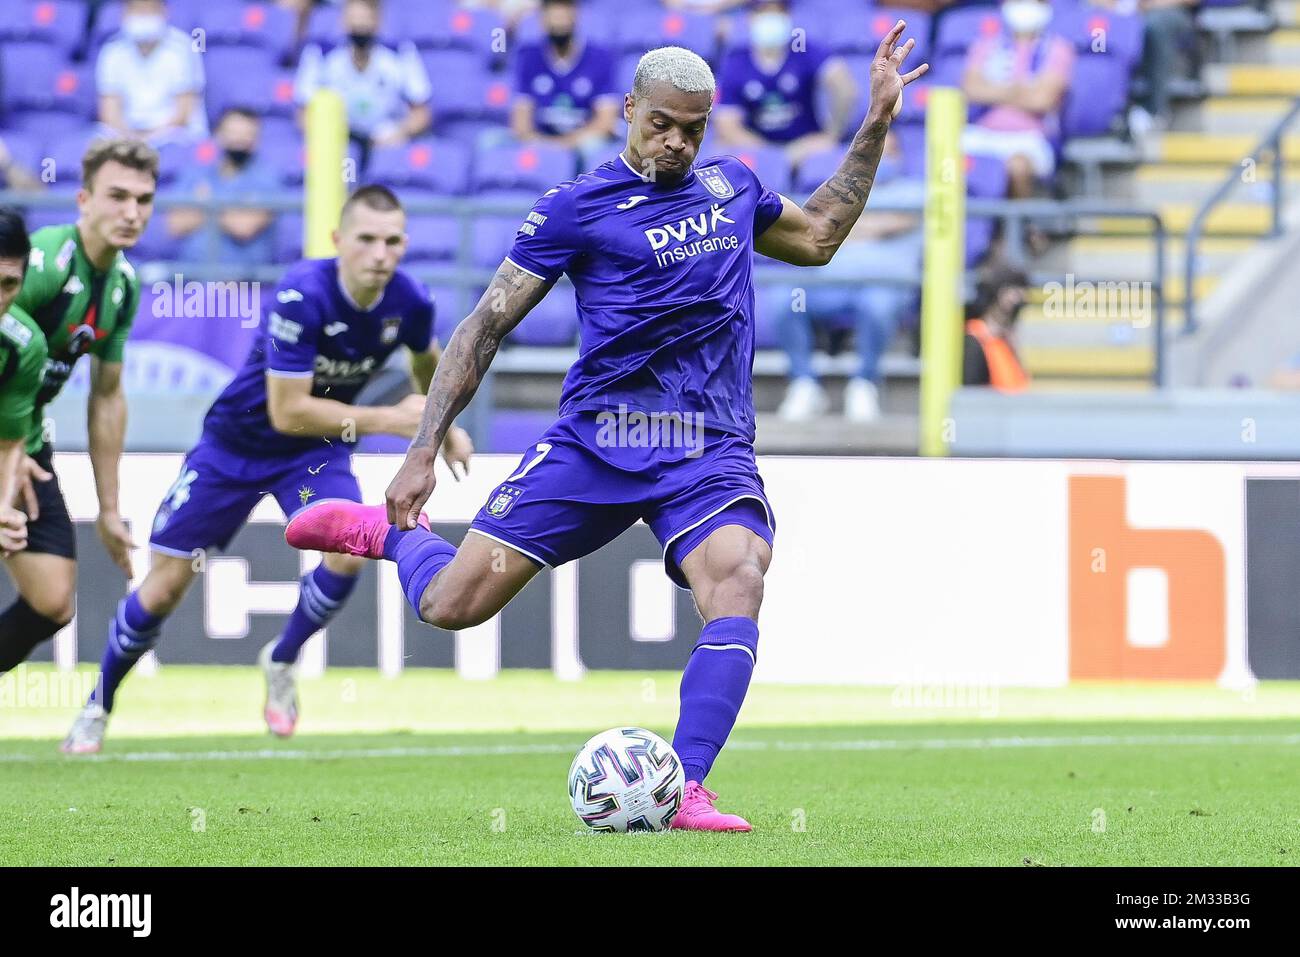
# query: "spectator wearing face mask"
564,87
768,88
1016,81
237,235
386,91
150,78
989,356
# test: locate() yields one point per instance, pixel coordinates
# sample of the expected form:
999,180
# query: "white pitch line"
862,744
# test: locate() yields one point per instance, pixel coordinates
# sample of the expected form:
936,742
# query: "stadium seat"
815,170
265,26
248,78
494,233
1096,32
534,168
433,237
449,308
625,70
1098,94
769,163
859,29
914,98
437,165
444,24
34,79
288,237
552,322
59,23
603,22
960,27
477,92
642,26
175,157
986,178
514,430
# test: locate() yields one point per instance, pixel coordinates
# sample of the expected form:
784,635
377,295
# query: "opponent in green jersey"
82,294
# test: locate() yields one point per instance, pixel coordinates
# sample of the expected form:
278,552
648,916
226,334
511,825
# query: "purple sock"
321,594
133,632
420,554
713,689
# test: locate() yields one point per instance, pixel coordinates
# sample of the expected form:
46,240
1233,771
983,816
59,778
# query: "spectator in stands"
1167,25
386,91
768,88
881,244
240,236
150,78
989,355
1016,81
564,88
14,176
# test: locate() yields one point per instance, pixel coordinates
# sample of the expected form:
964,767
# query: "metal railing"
1270,145
467,277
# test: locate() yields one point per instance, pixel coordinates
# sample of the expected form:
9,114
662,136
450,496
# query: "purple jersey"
316,332
563,95
780,106
664,280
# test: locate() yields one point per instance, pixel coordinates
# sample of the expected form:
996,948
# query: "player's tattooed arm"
465,360
470,350
811,234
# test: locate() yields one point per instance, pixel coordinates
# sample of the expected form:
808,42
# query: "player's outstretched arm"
811,234
470,350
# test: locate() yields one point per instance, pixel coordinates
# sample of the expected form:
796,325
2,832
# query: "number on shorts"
542,449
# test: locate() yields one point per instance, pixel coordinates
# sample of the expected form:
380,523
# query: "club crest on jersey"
388,335
503,500
716,182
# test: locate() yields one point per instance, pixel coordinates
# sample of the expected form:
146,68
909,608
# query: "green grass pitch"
430,769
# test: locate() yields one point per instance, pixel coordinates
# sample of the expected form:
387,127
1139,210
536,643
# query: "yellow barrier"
944,266
325,185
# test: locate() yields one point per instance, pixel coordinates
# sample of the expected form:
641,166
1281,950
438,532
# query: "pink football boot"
348,528
697,812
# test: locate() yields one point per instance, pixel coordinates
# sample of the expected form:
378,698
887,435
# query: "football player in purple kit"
660,250
285,425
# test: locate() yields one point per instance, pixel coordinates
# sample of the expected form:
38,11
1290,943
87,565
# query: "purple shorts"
217,489
586,481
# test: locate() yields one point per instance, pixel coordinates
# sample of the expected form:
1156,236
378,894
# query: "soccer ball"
626,779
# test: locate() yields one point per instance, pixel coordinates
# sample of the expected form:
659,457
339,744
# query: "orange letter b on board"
1103,550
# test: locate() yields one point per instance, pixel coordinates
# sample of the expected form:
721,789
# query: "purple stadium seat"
552,322
644,25
860,28
769,163
1088,28
442,24
25,147
35,77
466,132
493,235
625,70
432,237
449,308
155,243
175,157
986,178
765,320
960,27
58,23
47,127
816,169
65,153
437,165
252,24
243,76
1098,93
531,168
465,89
911,143
288,237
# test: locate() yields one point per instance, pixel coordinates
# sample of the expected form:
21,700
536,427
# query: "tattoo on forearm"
838,202
469,352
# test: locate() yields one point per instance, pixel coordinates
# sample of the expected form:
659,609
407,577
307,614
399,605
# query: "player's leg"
46,586
44,574
203,509
717,531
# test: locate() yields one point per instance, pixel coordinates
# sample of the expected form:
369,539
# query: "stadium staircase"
1250,80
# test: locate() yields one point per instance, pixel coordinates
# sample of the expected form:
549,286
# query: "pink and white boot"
348,528
697,812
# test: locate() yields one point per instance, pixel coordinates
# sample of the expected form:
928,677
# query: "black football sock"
22,628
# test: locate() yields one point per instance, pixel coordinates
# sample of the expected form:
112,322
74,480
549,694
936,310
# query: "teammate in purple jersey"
656,420
286,424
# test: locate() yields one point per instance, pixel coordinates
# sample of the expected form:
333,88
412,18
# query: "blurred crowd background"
488,104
